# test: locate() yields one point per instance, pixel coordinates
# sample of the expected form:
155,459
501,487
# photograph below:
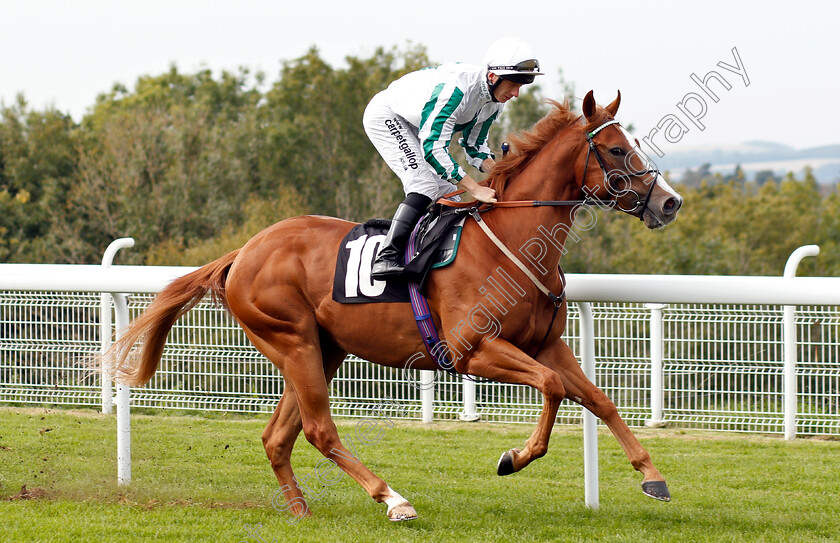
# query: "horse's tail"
152,327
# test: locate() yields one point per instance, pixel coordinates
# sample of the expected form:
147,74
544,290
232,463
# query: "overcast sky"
63,53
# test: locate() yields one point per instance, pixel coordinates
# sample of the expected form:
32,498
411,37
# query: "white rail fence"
692,351
722,366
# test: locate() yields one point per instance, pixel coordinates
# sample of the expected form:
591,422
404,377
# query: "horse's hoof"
402,511
505,465
657,490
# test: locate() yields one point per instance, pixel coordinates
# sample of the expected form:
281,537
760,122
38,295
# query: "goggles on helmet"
531,65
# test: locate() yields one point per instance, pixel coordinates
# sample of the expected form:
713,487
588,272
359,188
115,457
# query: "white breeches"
397,142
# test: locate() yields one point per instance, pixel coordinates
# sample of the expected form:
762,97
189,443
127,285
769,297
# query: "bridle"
609,176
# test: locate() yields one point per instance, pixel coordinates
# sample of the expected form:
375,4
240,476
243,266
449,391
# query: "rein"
588,200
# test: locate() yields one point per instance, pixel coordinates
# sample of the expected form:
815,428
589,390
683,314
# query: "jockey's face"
506,89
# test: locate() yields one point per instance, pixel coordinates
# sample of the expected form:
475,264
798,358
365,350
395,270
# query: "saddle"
436,239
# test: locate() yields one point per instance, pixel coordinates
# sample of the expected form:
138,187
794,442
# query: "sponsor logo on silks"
394,126
484,90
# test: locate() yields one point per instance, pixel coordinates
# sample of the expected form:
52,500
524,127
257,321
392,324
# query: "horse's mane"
525,145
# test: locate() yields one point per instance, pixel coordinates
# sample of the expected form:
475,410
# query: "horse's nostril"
671,205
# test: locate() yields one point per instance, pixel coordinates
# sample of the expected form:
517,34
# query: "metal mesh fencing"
722,366
44,339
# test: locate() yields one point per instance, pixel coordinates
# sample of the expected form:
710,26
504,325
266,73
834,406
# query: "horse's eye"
616,151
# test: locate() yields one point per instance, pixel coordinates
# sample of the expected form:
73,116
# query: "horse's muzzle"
663,206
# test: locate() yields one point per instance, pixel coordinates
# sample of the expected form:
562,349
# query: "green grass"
205,479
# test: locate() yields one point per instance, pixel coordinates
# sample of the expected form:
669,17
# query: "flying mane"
526,145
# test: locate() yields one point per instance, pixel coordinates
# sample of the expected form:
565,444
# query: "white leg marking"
394,500
398,507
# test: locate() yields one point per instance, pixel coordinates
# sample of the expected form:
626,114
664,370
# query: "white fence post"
105,323
590,422
789,334
123,401
469,414
657,348
427,394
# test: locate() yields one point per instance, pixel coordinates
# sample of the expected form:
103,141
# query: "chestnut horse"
279,289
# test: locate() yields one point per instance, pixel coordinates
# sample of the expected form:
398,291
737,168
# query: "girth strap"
423,315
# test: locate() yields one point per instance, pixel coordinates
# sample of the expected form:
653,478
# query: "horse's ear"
589,105
613,108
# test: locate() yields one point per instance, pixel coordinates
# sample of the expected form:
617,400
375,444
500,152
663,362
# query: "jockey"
412,122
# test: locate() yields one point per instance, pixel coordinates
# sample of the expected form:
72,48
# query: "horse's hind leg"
283,428
298,357
278,439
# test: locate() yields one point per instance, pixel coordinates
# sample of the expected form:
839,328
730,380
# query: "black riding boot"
388,261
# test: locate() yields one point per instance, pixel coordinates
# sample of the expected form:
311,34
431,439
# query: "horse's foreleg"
501,361
581,390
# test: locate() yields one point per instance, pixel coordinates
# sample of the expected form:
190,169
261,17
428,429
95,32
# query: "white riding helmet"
511,58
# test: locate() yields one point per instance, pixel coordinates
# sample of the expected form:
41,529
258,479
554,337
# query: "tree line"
192,165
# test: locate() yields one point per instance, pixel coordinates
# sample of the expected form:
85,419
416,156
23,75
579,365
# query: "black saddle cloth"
436,246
